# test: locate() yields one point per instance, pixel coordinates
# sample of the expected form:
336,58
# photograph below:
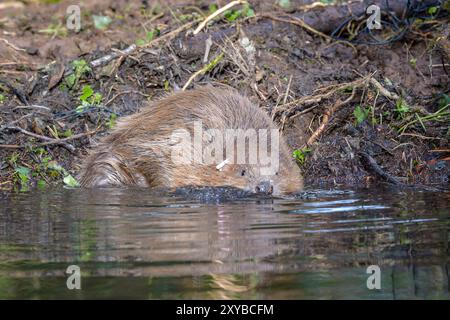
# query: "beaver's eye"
243,173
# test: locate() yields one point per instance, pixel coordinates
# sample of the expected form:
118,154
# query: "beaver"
153,148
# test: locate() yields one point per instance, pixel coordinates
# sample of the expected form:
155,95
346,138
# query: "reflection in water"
137,244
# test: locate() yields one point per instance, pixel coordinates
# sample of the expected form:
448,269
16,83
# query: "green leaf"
232,15
23,173
432,10
401,107
70,181
81,66
300,155
68,133
150,35
96,98
444,101
212,8
111,121
101,22
55,166
360,114
140,42
71,80
82,107
284,3
41,184
87,92
248,11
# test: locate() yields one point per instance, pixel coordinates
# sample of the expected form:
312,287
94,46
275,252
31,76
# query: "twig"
171,34
287,90
49,141
10,146
298,22
326,118
15,121
18,93
420,136
208,44
113,55
377,169
216,13
12,46
383,90
33,106
125,92
75,136
308,100
203,70
53,141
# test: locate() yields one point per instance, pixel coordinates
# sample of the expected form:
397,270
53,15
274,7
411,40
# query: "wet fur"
138,150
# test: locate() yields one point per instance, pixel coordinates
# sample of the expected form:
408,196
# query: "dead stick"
54,141
75,136
297,22
105,59
326,118
171,34
373,165
216,13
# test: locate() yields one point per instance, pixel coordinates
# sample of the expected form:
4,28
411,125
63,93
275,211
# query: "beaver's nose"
264,187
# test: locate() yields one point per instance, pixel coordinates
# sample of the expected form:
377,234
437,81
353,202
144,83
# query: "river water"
136,244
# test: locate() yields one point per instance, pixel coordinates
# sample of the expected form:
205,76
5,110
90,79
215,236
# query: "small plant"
444,101
111,121
166,85
212,8
67,133
300,155
401,108
13,159
284,3
2,98
246,11
88,98
361,114
80,68
55,30
148,37
70,181
42,170
22,176
432,10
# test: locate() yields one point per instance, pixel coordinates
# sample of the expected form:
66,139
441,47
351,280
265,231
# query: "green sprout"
80,68
88,98
300,155
361,114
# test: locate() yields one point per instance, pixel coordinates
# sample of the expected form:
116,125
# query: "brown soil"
288,64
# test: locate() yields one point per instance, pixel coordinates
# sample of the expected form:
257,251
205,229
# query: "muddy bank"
335,100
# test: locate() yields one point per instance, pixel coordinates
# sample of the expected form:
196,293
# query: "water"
141,245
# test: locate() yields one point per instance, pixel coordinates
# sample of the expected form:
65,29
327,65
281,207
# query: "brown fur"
138,150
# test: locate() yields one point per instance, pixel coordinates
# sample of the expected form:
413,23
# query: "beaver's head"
255,178
249,177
